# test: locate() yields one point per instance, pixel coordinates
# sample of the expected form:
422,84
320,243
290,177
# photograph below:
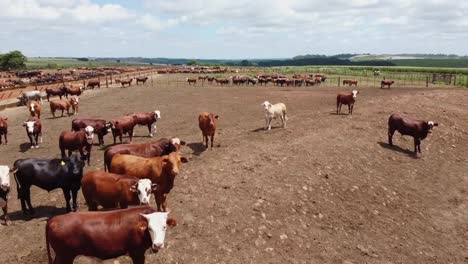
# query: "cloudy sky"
232,29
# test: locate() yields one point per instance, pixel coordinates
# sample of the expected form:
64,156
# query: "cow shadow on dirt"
40,212
339,114
263,129
23,147
398,149
197,148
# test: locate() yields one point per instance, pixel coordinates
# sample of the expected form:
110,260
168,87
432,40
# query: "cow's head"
175,144
212,117
173,161
157,114
89,133
157,224
354,93
75,164
143,188
266,105
29,126
74,100
32,107
3,122
431,125
108,127
4,178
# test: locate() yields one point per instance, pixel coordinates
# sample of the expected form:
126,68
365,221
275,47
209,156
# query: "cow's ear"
216,116
436,124
171,222
6,118
133,188
154,186
184,160
182,143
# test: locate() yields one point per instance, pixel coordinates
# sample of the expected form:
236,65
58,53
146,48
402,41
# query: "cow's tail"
14,170
105,161
49,256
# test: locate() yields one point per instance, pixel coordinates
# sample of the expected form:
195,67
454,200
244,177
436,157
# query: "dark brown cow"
101,127
4,129
106,235
384,83
34,108
211,79
160,170
409,126
158,148
34,131
126,82
207,124
346,99
350,82
192,81
141,80
122,126
81,141
63,105
61,91
93,84
148,119
74,90
222,81
112,190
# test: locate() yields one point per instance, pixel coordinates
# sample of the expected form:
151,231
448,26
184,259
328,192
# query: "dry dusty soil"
327,189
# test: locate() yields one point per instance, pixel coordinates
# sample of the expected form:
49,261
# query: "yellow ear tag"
62,163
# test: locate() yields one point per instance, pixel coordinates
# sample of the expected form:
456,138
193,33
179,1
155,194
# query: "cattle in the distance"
409,126
101,127
191,81
124,125
74,90
81,141
4,129
222,81
65,105
125,232
158,148
26,97
207,125
93,84
126,82
4,190
59,91
34,108
273,111
346,99
141,80
147,119
113,190
160,170
34,131
48,174
387,83
350,82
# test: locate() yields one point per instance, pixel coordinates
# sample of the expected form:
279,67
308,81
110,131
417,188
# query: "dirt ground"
327,189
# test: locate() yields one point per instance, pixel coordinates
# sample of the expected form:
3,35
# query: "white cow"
4,190
272,112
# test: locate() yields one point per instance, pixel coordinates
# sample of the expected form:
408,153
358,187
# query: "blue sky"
232,29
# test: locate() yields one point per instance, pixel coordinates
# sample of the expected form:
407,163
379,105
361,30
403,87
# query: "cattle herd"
132,172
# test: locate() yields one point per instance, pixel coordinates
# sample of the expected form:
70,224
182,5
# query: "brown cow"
112,190
106,235
34,131
126,82
122,126
74,90
350,82
160,170
207,124
34,108
158,148
346,99
141,79
63,105
409,126
101,127
192,81
384,83
93,84
59,91
81,141
4,129
148,119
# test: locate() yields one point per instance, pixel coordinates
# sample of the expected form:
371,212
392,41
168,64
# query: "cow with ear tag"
107,235
34,131
4,190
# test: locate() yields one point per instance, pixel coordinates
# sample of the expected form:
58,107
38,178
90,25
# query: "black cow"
48,174
101,127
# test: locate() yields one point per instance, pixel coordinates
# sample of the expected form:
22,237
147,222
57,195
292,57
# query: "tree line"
13,60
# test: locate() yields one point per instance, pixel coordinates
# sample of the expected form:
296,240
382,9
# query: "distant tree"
192,62
14,60
82,59
245,63
52,65
118,61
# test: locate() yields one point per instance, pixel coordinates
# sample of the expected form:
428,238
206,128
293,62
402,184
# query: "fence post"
111,79
84,85
107,82
454,80
427,81
338,81
36,86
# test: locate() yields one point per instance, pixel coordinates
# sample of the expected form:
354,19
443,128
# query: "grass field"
53,63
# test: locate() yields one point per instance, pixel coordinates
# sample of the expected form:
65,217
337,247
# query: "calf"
4,129
147,119
81,141
126,82
34,131
160,170
384,83
101,127
111,190
48,174
125,232
207,124
346,99
158,148
141,79
409,126
122,126
192,81
272,112
93,84
34,108
63,105
60,91
4,190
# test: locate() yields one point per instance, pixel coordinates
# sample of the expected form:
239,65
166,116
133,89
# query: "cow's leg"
390,135
130,134
212,137
37,140
66,194
48,98
74,195
417,145
164,202
137,258
269,123
350,111
62,112
69,153
120,138
63,259
158,199
6,138
27,196
266,122
5,215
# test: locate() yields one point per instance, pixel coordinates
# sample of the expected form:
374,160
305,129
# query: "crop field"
325,189
41,63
